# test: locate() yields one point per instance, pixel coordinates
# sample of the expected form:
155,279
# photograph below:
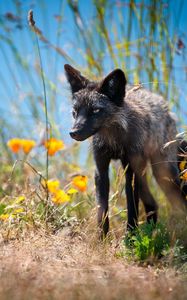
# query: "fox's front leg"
132,194
102,190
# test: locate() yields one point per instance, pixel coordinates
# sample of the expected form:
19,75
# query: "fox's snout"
81,133
76,134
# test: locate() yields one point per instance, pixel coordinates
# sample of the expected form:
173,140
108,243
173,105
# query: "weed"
148,242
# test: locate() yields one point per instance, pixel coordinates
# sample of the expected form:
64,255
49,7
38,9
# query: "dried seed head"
30,18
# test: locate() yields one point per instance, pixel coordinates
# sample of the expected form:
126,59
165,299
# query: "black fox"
132,125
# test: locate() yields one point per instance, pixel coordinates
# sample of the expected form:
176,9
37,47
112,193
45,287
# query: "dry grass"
74,266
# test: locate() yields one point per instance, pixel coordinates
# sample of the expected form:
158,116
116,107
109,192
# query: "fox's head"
94,103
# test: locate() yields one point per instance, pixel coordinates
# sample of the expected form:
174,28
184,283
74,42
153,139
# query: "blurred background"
146,38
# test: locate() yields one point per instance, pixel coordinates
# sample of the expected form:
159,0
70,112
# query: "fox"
131,125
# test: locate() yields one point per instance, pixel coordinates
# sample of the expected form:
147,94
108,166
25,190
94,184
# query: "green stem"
46,114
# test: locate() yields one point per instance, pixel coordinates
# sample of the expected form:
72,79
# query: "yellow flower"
4,217
184,176
53,145
80,182
60,197
18,210
27,145
52,185
19,199
182,165
14,145
72,191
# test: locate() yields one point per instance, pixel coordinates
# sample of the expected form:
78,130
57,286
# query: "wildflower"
53,145
14,144
72,191
19,199
184,176
27,145
60,197
80,182
18,210
53,185
17,144
182,165
4,217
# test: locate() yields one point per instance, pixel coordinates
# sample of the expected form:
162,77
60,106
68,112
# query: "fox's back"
158,124
148,124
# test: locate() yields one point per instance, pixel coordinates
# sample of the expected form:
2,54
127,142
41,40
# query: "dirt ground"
66,266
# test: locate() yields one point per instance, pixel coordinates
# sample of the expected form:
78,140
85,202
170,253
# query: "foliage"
149,241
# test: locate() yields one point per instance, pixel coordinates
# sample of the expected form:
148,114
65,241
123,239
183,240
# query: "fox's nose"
74,133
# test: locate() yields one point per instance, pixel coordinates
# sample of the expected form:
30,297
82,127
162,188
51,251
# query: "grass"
62,256
72,265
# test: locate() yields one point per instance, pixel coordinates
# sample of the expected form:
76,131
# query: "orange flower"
53,145
80,182
17,144
27,145
14,144
184,176
60,197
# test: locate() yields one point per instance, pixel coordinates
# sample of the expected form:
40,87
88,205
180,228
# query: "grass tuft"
148,242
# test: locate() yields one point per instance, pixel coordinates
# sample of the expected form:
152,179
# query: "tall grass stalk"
35,29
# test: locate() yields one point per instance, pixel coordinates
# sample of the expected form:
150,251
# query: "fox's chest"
119,142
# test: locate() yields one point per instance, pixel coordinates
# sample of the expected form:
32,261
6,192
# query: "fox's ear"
76,80
113,86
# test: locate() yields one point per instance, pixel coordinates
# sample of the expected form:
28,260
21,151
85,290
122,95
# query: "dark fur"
133,128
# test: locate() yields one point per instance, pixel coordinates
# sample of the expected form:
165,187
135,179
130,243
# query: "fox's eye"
95,111
74,113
